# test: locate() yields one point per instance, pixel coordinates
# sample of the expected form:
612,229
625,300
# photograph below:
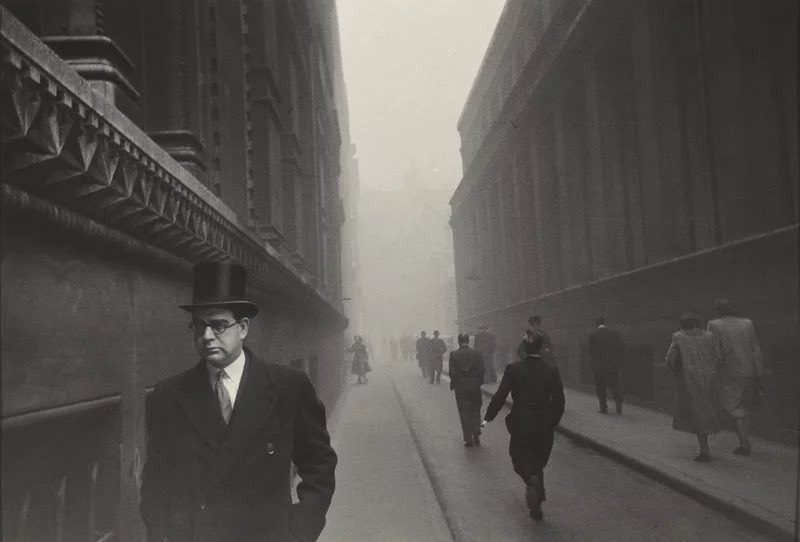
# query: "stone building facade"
635,159
137,139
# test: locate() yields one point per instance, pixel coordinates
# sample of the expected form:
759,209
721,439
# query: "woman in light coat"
693,356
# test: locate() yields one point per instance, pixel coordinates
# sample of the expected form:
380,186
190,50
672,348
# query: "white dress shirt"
232,379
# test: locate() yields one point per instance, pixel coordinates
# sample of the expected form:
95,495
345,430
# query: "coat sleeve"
158,468
557,400
499,398
315,461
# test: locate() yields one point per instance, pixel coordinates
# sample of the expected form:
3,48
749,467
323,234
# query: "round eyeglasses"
217,326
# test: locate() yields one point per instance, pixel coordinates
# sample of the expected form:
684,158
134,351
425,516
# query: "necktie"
223,398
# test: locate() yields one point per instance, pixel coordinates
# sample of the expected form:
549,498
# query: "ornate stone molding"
66,145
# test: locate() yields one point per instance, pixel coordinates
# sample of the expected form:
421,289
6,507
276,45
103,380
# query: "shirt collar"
234,370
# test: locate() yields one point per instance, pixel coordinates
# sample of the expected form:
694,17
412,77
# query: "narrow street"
404,475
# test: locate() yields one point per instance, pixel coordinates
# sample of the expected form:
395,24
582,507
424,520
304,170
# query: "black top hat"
219,284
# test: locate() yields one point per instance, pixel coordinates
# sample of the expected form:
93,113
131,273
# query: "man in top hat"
222,435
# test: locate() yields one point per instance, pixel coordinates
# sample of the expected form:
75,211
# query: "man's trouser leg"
612,378
475,401
600,387
462,403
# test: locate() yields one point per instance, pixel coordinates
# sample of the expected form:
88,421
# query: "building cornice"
65,145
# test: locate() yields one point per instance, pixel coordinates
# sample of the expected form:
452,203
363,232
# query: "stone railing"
65,148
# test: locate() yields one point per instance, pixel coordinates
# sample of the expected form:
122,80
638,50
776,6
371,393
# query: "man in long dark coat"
222,435
437,349
423,352
466,376
606,350
538,397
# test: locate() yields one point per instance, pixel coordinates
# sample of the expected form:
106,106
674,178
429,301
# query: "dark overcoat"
537,393
606,349
205,481
466,369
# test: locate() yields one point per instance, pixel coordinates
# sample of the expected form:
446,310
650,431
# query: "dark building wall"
106,204
639,136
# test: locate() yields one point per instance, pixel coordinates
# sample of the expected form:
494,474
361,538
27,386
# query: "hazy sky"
408,67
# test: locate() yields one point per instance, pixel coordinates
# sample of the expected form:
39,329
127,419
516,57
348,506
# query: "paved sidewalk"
760,489
382,490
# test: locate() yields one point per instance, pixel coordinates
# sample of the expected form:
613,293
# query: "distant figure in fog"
393,348
606,351
740,368
360,365
538,404
466,376
693,357
423,351
486,344
436,357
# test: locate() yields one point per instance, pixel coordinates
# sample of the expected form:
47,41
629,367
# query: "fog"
408,67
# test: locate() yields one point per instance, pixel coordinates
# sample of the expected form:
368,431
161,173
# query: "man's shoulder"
172,382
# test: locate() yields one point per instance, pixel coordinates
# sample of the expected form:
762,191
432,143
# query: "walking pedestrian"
423,351
436,357
693,357
538,397
213,427
740,368
606,350
466,369
360,365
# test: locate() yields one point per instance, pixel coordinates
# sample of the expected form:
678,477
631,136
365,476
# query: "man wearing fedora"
222,435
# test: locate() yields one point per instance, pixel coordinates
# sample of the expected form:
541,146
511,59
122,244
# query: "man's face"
219,349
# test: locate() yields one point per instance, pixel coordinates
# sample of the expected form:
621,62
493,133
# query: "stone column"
175,100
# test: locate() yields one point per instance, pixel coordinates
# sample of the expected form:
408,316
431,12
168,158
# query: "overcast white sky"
408,67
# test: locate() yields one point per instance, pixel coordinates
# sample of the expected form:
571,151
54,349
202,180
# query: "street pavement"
405,475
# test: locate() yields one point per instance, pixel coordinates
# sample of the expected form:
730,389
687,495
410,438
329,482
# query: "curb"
739,514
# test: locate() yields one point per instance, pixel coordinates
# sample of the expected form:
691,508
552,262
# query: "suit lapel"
200,405
255,403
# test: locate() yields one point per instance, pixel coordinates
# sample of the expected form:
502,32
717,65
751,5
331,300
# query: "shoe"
476,440
537,514
741,450
703,458
468,444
